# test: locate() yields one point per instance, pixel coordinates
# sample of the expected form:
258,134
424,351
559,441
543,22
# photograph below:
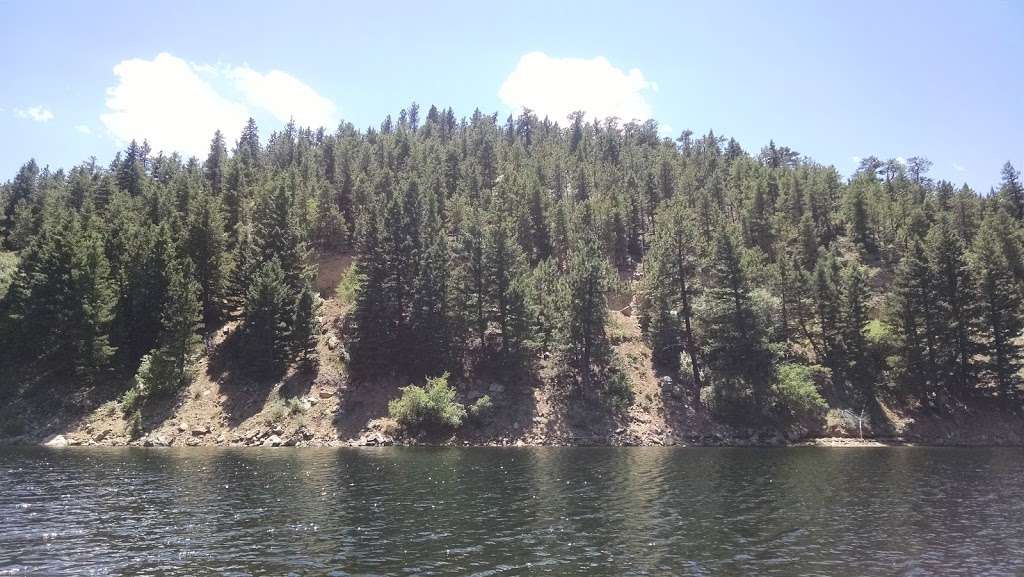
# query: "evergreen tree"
586,347
503,263
855,320
207,246
214,167
737,350
1012,191
304,328
268,310
1002,316
955,306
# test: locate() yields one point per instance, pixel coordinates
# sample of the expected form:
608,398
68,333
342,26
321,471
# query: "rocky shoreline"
199,437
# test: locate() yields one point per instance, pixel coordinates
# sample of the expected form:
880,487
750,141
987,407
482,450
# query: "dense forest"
767,283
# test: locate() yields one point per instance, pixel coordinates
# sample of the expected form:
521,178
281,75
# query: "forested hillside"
767,285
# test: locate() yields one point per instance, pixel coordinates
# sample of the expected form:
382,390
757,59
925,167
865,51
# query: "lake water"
493,512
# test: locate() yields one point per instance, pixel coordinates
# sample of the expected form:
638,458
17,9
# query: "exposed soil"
322,408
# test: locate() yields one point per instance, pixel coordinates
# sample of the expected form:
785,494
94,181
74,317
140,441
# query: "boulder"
57,441
272,441
183,427
200,430
101,435
332,342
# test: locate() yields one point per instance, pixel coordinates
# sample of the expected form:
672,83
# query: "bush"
345,293
618,388
433,405
481,408
795,394
156,375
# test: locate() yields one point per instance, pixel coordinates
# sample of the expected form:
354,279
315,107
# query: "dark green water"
538,511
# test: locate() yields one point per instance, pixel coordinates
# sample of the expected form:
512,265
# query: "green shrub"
8,265
425,406
795,394
134,425
618,388
481,408
349,283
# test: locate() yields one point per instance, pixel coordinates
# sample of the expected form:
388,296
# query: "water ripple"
496,512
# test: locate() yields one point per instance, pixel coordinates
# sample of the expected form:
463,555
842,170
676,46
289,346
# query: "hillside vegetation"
529,280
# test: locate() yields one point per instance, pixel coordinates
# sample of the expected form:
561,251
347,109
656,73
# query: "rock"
101,435
325,394
332,342
220,439
291,441
312,400
191,442
272,441
182,427
147,442
163,440
200,429
58,441
540,420
665,381
620,430
496,389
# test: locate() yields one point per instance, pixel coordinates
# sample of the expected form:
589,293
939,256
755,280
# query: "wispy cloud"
177,105
83,129
35,113
556,87
959,167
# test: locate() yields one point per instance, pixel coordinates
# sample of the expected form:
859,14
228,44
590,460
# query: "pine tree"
373,325
737,353
1002,316
430,321
828,304
586,347
206,244
855,320
955,304
503,264
171,365
305,333
1012,191
911,309
268,314
669,280
214,167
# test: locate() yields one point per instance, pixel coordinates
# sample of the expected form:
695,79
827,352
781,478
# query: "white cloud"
284,96
555,87
959,167
83,129
164,101
856,159
35,113
177,105
901,160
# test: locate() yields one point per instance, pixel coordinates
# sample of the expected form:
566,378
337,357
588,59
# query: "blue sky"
832,80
